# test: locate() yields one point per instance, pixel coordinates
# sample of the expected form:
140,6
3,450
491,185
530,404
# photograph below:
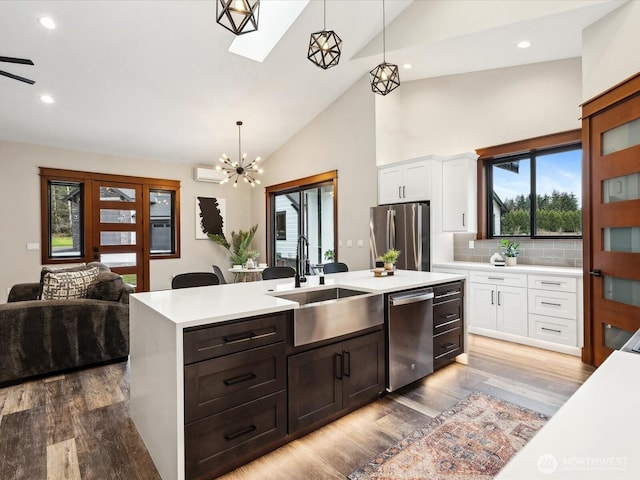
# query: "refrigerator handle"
391,229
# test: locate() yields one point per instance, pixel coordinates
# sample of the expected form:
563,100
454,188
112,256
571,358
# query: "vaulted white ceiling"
156,79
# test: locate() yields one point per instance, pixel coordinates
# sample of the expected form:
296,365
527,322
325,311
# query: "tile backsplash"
555,252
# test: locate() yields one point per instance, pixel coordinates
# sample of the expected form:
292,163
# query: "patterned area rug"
472,440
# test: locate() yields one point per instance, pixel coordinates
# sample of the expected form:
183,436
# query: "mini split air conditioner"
209,175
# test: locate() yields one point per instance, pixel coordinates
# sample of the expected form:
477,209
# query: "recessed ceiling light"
524,44
46,98
407,66
47,22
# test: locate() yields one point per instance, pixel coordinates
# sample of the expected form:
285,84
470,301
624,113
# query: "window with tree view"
552,177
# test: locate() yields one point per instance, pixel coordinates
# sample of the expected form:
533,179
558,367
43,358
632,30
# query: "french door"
611,133
117,228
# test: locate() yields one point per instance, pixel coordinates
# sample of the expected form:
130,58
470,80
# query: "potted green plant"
390,257
240,245
329,256
510,250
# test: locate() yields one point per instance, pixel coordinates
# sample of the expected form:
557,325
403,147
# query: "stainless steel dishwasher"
409,325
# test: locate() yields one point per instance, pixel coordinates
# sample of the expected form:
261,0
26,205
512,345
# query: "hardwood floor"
77,426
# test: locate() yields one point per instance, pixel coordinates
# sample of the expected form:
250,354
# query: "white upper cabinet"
404,182
459,187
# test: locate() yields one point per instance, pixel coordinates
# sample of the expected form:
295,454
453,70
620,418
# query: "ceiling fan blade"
16,77
23,61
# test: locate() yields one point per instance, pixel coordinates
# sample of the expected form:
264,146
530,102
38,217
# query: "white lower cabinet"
498,306
534,309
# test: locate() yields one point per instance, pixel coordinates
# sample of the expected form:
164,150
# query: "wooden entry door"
118,233
611,133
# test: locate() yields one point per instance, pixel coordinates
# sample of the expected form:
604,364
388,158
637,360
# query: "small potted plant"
390,258
329,256
510,250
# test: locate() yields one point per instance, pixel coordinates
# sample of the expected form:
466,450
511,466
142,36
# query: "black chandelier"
324,46
237,170
385,77
238,16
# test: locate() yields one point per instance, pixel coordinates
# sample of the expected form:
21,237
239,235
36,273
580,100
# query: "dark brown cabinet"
330,380
447,323
234,393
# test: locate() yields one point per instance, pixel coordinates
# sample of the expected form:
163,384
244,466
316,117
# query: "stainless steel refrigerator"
405,227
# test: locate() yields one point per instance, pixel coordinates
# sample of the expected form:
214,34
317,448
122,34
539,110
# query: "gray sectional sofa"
40,337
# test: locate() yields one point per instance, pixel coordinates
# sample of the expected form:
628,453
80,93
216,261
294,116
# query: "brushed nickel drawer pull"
550,330
552,304
239,433
239,379
449,346
448,294
496,278
550,283
450,315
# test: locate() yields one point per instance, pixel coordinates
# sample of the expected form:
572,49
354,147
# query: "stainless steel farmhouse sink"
331,312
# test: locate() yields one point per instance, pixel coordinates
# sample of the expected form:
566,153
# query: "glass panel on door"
117,194
108,215
622,290
620,189
287,207
319,224
614,337
117,238
622,239
622,137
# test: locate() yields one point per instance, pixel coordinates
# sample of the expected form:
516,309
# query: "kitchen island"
181,339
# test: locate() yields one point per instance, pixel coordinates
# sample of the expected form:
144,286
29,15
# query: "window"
162,222
65,220
306,207
536,192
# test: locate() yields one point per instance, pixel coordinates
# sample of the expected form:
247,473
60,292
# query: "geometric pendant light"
384,78
238,169
324,46
238,16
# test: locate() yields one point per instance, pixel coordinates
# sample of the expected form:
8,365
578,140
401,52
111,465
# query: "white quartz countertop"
188,307
529,269
592,436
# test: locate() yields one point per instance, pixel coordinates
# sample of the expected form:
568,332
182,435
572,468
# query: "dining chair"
194,279
218,272
335,267
270,273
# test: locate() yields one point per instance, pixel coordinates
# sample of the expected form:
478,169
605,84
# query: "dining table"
244,274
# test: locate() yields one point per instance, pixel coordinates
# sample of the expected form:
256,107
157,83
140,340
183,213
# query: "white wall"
20,214
610,51
460,113
342,138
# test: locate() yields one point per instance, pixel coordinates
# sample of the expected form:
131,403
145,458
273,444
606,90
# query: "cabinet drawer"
446,292
214,385
233,436
447,345
447,315
500,277
210,342
553,304
557,284
552,329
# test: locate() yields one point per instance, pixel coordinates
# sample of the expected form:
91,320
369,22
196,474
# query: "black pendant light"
385,77
238,16
239,170
324,46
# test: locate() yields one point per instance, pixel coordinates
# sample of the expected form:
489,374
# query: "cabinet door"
483,305
512,310
363,369
315,386
459,195
390,185
416,182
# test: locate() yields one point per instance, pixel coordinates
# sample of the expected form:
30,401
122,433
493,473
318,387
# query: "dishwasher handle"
412,297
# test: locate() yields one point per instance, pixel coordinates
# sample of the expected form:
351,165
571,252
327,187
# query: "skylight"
276,16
